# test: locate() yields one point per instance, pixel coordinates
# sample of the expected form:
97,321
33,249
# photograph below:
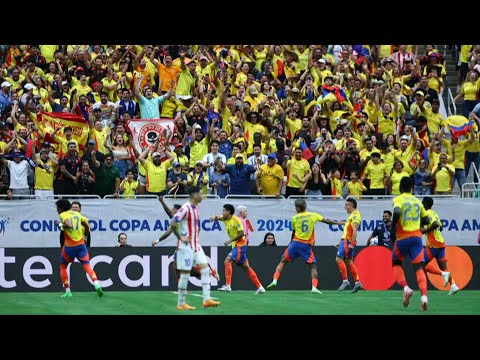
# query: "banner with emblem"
47,122
146,132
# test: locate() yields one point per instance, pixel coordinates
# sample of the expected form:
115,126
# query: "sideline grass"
238,303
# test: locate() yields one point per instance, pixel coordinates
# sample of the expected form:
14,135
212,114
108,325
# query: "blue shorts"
69,253
239,255
411,246
344,251
430,253
298,249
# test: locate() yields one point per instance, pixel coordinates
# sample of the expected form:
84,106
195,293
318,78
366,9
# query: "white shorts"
42,194
187,258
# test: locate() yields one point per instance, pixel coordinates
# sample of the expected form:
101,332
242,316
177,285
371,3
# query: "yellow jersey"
156,175
395,178
270,178
43,178
444,179
233,227
356,188
412,211
353,218
376,172
129,189
73,236
434,238
300,167
303,225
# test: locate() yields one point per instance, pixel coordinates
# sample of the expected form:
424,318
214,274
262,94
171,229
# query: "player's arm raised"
332,222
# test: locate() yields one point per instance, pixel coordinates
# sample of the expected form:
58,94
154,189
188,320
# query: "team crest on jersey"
149,134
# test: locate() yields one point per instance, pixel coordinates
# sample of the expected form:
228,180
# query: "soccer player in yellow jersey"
73,224
346,247
435,247
303,239
238,241
408,217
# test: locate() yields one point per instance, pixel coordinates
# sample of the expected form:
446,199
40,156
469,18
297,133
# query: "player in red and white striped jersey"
186,227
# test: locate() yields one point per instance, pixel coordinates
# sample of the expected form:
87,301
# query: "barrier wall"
35,269
31,223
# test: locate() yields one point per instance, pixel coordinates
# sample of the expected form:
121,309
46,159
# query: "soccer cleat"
225,288
358,286
446,278
344,285
210,303
424,303
316,291
68,294
185,307
406,297
99,290
272,285
260,290
453,289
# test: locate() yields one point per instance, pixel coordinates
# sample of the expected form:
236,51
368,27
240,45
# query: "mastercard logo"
374,264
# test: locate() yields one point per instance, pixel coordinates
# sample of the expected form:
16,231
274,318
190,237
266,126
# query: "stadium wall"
31,223
142,268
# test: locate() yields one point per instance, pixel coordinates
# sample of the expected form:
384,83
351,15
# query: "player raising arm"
238,240
408,216
303,239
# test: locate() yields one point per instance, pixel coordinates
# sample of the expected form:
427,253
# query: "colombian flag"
307,153
335,90
459,125
47,122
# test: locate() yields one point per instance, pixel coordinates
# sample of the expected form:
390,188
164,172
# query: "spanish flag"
47,122
459,125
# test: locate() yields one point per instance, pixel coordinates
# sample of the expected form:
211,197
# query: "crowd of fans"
317,120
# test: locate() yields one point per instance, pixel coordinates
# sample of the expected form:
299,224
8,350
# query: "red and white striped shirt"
401,58
188,217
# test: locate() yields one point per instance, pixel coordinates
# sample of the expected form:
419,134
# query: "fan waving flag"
459,125
47,122
146,132
307,153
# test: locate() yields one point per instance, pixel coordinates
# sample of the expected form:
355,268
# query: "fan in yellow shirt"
355,187
397,174
376,173
128,186
443,176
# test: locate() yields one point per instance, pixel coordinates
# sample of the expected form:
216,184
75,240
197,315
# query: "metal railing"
471,190
33,197
138,196
451,103
238,196
71,196
208,196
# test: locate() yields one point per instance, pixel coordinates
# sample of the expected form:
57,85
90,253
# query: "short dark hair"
122,233
72,142
229,208
405,185
214,142
103,93
236,145
77,203
68,128
257,145
193,190
63,204
352,201
388,212
427,202
301,204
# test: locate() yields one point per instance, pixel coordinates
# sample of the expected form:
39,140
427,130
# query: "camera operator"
86,180
329,159
350,159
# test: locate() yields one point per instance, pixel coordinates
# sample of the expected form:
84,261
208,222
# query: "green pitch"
239,303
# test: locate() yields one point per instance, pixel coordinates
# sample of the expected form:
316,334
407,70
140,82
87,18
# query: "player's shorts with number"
411,247
69,253
239,254
430,253
299,249
187,257
345,251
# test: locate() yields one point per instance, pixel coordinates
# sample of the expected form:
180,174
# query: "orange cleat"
211,303
185,307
